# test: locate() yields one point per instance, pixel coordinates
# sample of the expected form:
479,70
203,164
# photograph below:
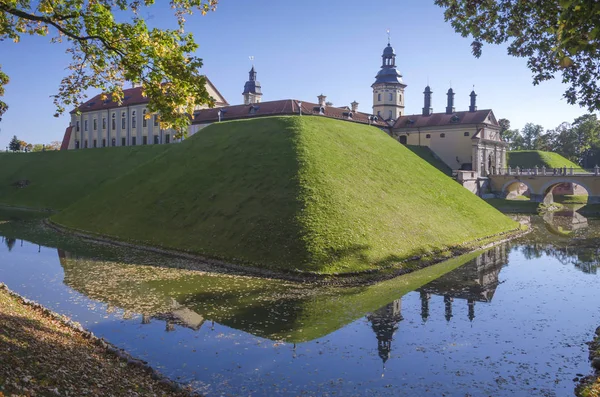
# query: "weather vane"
388,33
251,57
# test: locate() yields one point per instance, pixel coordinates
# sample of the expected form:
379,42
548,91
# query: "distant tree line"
17,145
578,141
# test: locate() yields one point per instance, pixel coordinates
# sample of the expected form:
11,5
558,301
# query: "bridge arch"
506,185
548,186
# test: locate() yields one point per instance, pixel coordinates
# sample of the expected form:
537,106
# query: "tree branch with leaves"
556,37
106,53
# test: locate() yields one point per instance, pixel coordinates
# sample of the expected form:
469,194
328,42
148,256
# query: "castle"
468,142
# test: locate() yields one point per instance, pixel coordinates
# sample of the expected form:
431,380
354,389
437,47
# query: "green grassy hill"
308,193
427,154
59,178
531,158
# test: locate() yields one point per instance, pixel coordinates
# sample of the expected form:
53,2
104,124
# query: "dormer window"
454,119
253,109
350,115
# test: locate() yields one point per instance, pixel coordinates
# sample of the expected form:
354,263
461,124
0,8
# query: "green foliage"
14,144
59,178
291,193
555,36
107,51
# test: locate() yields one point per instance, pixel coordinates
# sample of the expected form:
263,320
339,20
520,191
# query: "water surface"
512,321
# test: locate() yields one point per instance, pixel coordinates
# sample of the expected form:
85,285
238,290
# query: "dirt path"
42,356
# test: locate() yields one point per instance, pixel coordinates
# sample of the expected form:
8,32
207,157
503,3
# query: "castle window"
114,122
144,121
85,144
133,119
428,136
85,125
114,141
133,140
156,120
378,113
466,133
123,121
390,115
95,143
156,139
103,123
144,140
391,96
123,142
95,124
77,126
167,138
379,97
400,98
103,142
442,135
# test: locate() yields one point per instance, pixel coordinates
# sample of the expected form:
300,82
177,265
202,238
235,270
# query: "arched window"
114,121
466,133
144,121
379,97
442,135
123,122
133,119
391,96
428,136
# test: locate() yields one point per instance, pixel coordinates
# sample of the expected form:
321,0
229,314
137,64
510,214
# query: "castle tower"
252,91
388,89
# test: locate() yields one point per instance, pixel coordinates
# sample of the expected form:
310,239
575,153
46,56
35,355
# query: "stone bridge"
540,182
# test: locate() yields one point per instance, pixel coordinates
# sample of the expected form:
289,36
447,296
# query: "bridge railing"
544,171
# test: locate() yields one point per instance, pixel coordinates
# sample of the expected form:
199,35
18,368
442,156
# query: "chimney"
354,106
473,107
427,110
450,107
322,99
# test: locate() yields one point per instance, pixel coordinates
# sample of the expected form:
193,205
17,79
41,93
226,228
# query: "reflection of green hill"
267,308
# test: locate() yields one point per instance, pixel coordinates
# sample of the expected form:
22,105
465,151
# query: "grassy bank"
42,356
426,154
532,158
57,179
290,193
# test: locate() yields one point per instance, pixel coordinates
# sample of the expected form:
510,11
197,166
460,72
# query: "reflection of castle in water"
475,281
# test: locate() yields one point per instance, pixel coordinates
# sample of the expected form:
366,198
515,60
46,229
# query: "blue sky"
303,49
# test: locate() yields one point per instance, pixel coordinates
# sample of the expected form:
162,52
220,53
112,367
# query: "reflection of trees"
10,243
586,259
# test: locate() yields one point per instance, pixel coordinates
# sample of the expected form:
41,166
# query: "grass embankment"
427,154
533,158
56,179
590,386
40,355
290,193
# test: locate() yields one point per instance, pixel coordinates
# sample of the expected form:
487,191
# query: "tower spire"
389,36
252,89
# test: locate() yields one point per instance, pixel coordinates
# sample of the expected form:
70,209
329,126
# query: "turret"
473,107
388,89
450,107
427,110
252,90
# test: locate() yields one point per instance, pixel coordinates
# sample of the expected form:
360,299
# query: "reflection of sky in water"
528,340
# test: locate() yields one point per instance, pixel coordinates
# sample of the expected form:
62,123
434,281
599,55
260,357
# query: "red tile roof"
440,119
66,139
281,107
131,96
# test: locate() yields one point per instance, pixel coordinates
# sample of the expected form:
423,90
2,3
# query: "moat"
510,321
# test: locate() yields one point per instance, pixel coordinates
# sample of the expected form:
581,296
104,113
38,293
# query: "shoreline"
589,386
133,367
340,279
